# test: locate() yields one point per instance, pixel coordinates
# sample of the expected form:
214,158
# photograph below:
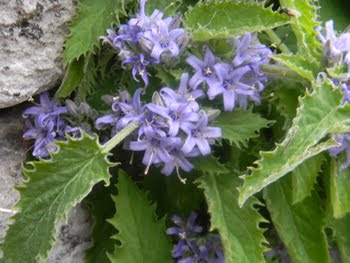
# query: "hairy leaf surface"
92,20
143,237
72,78
300,226
226,19
304,178
339,189
54,186
168,7
209,165
239,126
241,236
319,114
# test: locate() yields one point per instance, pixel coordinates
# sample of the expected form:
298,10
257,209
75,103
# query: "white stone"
31,45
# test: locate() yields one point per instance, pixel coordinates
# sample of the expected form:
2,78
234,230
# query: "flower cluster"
45,125
147,40
172,128
191,248
337,54
239,81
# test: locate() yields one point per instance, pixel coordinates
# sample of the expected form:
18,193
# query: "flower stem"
116,139
283,72
276,40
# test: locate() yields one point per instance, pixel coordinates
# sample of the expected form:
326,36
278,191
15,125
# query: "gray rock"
31,44
74,236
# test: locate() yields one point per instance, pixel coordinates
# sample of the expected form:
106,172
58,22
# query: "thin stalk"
276,40
283,72
116,139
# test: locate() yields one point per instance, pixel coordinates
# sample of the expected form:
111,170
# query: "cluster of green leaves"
304,191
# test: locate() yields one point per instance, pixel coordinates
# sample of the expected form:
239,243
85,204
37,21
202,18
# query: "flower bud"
72,108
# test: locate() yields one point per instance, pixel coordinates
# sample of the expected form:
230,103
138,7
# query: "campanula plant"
194,131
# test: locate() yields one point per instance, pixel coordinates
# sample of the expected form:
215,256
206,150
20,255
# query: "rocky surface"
74,236
31,44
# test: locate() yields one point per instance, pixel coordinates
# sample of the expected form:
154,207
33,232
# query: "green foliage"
142,237
304,26
92,20
168,7
209,165
171,195
72,78
339,189
102,208
299,64
319,114
241,236
304,177
54,186
299,226
227,19
239,126
341,229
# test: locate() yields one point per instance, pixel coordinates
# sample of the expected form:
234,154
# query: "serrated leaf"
72,78
339,189
304,178
102,208
92,20
308,60
54,186
299,64
341,228
239,126
304,24
209,165
238,227
227,19
320,113
299,226
142,237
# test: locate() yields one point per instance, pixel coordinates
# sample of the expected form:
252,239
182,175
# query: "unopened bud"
72,108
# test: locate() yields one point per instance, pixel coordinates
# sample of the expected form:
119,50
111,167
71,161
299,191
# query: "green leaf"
341,228
339,189
304,177
143,238
54,186
239,126
227,19
301,65
72,78
304,25
241,236
92,20
168,7
320,113
209,165
102,208
299,226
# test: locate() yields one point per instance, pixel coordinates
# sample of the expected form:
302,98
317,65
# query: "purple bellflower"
336,48
337,53
192,246
205,71
239,81
147,40
172,127
45,125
